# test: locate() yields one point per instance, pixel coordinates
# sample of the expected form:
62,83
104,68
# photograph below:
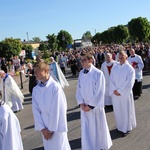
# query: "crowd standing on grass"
98,69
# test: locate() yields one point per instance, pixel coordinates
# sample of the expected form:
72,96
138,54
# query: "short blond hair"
122,52
41,66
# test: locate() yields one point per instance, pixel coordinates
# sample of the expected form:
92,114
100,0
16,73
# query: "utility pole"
95,31
28,37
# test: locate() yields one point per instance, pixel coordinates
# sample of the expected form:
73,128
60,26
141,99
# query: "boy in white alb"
90,96
49,109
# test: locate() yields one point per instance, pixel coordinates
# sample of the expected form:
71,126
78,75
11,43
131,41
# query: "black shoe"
124,134
136,97
17,111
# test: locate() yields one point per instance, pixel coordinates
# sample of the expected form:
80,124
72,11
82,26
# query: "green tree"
104,36
10,47
36,39
46,54
110,35
64,38
28,48
139,28
87,36
52,42
120,33
96,38
43,47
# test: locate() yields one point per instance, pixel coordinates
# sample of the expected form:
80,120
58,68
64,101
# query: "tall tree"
43,47
139,28
110,35
120,33
36,39
87,36
96,38
104,36
10,47
64,39
52,42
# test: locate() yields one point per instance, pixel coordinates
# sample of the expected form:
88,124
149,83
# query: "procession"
75,75
108,83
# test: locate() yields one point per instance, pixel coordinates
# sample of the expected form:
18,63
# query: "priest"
122,79
137,63
106,69
11,94
49,109
90,97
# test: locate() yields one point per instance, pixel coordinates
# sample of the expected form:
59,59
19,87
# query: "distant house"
35,46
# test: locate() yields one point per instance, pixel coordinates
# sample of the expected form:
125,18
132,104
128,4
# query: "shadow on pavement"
75,143
73,116
108,109
39,148
27,95
146,73
115,134
27,103
71,78
30,127
27,99
146,86
73,108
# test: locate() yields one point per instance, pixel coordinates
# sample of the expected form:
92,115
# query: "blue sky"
42,17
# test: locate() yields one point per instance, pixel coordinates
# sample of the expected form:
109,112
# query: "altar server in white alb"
10,138
57,74
11,94
122,79
90,96
106,69
49,109
137,63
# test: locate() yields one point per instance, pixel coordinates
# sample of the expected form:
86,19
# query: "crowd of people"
108,75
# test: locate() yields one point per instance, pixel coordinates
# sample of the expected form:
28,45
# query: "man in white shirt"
90,96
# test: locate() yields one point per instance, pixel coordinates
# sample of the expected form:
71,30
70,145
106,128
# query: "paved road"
138,139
